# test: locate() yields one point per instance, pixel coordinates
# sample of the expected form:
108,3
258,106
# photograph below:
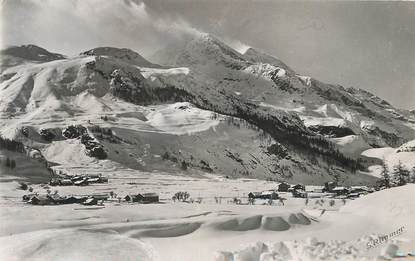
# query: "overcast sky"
370,45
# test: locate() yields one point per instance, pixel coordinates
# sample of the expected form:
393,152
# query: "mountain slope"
121,55
257,56
266,81
220,112
15,55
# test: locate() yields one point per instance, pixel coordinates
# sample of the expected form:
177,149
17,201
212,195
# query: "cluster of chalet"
143,198
297,190
77,180
331,188
94,199
56,199
267,194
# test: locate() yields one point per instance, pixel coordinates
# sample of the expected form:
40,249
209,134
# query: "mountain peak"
199,50
32,52
122,54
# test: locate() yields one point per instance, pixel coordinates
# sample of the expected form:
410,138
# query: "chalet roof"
90,200
360,187
76,197
148,194
339,188
40,197
81,181
54,196
314,188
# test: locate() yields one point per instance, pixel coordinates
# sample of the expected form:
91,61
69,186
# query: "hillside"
16,55
205,108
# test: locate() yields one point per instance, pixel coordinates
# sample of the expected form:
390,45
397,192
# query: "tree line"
10,163
11,145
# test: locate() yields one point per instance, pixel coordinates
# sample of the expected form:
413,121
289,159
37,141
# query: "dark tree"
184,165
413,175
165,156
400,174
385,176
12,164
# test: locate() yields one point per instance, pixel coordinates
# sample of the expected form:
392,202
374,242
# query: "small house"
28,196
340,190
128,198
74,199
254,194
329,186
103,196
298,187
353,195
82,182
65,182
299,193
283,187
40,200
146,198
55,198
315,189
76,178
359,189
268,194
93,180
103,179
90,202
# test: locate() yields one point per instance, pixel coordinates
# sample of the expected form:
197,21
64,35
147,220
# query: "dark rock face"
47,135
332,131
93,147
278,150
390,138
133,89
74,131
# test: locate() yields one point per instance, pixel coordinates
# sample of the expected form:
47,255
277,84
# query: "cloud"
71,26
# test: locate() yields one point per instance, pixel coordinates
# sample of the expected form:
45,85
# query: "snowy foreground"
205,231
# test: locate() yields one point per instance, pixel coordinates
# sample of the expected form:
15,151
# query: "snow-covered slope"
405,154
257,56
16,55
356,226
121,55
261,78
242,116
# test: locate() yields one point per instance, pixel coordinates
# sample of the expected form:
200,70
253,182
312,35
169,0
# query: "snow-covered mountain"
257,56
15,55
268,82
206,107
122,55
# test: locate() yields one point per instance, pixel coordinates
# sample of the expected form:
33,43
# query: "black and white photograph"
207,130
